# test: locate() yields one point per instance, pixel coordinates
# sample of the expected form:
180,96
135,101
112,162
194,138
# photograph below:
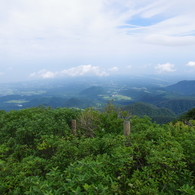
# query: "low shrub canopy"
40,155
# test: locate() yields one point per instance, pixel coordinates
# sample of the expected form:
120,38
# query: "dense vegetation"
159,115
178,106
40,155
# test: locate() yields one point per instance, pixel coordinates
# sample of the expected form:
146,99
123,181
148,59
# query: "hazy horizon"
58,39
169,79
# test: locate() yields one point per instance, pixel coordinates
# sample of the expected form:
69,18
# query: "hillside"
140,109
183,87
178,106
187,117
54,102
93,91
78,103
160,115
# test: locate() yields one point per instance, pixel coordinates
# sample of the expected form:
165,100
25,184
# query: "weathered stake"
126,128
74,127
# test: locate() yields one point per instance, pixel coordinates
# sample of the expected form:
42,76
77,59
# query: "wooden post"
74,127
126,128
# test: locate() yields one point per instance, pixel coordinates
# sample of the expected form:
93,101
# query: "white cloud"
75,71
129,66
162,23
145,66
10,69
43,74
170,40
191,64
168,67
84,70
41,27
113,69
106,32
1,73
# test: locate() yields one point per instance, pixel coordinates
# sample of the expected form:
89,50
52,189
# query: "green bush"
40,155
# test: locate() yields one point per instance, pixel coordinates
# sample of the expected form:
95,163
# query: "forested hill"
183,87
178,106
93,91
159,115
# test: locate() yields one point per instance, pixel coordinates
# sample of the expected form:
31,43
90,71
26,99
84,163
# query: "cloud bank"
30,27
162,68
191,64
81,70
114,69
37,36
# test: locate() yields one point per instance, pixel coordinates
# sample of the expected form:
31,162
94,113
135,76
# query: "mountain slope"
183,87
52,101
93,91
73,102
160,115
178,106
78,103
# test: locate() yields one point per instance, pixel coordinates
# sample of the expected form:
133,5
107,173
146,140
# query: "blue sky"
59,38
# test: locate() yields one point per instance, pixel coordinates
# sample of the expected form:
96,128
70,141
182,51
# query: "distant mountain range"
183,87
161,103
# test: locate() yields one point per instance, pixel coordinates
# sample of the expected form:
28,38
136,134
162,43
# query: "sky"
47,39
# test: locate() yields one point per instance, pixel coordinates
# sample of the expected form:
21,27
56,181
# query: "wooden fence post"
74,127
126,128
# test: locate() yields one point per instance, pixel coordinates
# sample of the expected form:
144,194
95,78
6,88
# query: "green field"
38,92
6,92
16,101
117,97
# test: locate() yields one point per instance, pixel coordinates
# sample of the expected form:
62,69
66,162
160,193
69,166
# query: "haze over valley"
140,95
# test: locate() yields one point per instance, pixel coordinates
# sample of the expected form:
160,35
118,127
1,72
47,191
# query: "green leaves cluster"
39,154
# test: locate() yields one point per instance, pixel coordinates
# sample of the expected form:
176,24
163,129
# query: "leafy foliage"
39,154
